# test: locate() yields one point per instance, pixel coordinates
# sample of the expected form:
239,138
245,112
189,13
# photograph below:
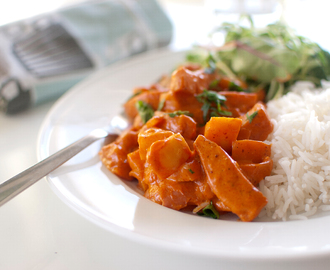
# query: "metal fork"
15,185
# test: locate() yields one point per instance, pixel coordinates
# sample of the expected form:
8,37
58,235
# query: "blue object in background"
42,57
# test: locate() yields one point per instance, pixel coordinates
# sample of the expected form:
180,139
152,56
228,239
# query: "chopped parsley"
212,104
211,65
191,171
209,211
178,113
146,112
161,104
251,117
234,87
214,84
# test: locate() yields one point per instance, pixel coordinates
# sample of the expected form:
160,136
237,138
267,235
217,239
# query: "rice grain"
299,185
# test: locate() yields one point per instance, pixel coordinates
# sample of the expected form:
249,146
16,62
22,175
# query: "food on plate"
300,182
235,130
273,57
195,149
277,59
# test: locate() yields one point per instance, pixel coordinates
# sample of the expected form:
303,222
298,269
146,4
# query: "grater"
44,56
51,51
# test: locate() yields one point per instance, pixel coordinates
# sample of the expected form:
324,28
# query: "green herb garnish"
211,65
191,171
209,211
214,84
146,112
161,104
251,117
178,113
212,104
234,87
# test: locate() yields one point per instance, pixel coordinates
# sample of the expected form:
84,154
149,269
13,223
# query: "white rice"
299,185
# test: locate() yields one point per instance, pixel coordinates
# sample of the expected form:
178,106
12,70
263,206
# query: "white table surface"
38,231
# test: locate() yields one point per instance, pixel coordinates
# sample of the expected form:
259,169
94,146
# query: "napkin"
42,57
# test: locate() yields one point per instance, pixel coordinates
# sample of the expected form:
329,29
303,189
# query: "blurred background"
110,34
193,18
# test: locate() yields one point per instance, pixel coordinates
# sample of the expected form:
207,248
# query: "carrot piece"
228,182
182,101
168,193
241,101
182,124
223,131
258,171
176,194
261,94
250,151
188,81
149,178
257,122
136,164
147,137
244,134
254,159
149,96
191,170
166,156
220,206
114,155
227,84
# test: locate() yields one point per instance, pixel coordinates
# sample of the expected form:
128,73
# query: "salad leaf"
211,62
274,57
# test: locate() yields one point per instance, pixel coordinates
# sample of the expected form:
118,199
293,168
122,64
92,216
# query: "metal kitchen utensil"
15,185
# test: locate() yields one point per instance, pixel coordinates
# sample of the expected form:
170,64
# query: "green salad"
272,58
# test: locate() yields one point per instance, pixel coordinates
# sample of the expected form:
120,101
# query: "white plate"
91,190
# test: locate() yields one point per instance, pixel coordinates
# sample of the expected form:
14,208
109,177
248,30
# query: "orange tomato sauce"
203,153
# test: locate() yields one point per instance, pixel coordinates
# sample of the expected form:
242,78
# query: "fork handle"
15,185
